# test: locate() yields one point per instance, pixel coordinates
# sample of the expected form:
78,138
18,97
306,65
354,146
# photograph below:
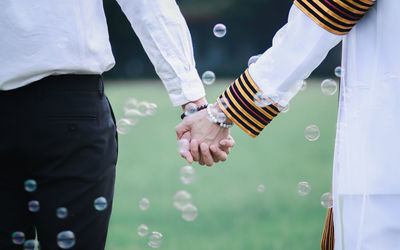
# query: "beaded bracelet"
215,120
183,115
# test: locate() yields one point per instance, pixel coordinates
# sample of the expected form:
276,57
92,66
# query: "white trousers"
370,222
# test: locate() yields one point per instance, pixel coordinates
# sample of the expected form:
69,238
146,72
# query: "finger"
228,142
184,147
194,149
218,154
213,149
201,161
181,128
206,154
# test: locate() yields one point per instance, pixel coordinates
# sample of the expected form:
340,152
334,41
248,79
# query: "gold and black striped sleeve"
335,16
238,103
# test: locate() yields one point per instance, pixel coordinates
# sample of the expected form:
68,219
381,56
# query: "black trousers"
59,131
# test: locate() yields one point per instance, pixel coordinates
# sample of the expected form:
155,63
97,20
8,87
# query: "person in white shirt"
366,189
58,135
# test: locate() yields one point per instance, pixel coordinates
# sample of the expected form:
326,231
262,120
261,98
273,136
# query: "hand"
209,143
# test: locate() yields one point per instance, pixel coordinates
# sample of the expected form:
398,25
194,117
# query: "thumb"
184,147
182,128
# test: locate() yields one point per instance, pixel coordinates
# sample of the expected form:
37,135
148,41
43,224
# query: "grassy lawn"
232,214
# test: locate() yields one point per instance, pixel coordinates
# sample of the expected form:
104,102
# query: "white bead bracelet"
215,120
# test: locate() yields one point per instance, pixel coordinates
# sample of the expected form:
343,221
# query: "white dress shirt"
50,37
366,173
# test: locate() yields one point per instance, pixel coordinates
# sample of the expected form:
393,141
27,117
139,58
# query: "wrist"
218,109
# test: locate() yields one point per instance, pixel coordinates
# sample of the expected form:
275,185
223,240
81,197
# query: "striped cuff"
336,16
238,103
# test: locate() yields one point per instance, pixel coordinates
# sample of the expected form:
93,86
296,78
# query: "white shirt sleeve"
297,49
166,39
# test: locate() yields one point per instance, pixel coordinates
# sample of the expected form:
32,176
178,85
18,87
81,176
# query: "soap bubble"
183,146
303,188
261,188
189,212
326,200
390,78
151,108
100,204
30,185
224,102
34,206
338,71
144,204
155,239
124,126
187,175
18,238
253,59
62,212
130,103
284,109
181,199
219,30
190,109
329,87
312,133
262,100
142,230
208,77
31,245
302,85
66,239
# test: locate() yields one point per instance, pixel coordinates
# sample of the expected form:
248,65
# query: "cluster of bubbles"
133,111
304,188
154,239
183,202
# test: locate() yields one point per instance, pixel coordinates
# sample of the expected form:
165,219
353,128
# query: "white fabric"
366,186
297,49
47,37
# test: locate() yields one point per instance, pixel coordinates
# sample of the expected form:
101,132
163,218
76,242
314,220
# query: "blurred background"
251,201
250,26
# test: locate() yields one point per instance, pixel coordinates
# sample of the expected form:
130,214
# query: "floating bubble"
284,109
151,108
155,239
142,230
66,239
312,133
124,126
224,102
100,203
303,188
390,78
32,245
329,87
338,71
190,109
34,206
62,212
181,199
262,100
130,103
189,212
144,204
261,188
18,238
219,30
30,185
302,85
326,200
187,175
253,59
208,77
183,146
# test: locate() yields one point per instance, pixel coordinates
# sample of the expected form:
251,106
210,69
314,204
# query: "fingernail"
223,143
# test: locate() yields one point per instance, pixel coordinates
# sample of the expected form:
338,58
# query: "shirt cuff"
245,105
184,88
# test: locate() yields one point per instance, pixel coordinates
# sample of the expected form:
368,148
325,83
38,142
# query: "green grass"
232,214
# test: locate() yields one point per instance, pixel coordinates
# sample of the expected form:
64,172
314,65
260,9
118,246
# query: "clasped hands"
202,140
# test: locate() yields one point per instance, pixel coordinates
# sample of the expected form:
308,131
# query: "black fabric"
59,131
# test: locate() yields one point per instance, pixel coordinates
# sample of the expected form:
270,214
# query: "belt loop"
101,87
